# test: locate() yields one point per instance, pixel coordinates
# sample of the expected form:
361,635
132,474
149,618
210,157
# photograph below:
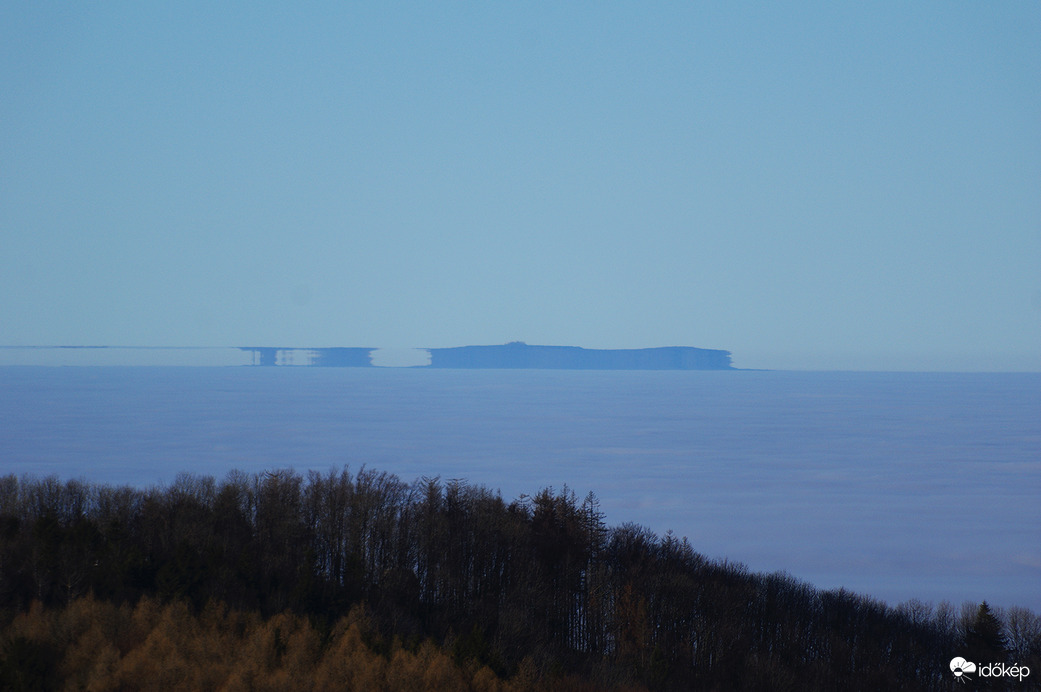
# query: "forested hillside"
278,576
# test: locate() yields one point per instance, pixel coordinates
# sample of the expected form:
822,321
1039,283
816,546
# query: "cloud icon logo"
960,667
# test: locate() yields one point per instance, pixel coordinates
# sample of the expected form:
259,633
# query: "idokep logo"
961,669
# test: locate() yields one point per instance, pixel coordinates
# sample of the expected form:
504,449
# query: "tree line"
539,588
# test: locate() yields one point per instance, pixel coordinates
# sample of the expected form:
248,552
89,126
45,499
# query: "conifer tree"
984,639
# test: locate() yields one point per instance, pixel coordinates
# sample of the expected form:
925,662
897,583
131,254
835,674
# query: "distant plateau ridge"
514,355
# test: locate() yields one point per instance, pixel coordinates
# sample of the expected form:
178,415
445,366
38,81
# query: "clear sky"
808,185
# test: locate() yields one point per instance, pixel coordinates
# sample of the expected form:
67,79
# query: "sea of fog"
896,485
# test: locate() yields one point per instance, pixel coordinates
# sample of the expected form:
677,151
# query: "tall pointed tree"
984,640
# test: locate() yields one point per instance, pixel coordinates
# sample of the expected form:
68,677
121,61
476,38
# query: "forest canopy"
534,593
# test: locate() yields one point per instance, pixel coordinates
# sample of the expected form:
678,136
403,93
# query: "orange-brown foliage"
153,646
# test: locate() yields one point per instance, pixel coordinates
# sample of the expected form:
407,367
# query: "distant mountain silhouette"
520,355
315,357
514,355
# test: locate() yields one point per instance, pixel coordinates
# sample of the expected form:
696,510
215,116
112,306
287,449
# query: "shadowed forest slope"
536,593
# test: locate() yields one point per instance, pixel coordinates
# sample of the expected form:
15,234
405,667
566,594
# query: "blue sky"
808,185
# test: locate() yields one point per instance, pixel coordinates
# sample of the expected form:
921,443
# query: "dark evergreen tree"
984,639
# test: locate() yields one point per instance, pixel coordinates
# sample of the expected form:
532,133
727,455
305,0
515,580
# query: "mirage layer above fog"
515,355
